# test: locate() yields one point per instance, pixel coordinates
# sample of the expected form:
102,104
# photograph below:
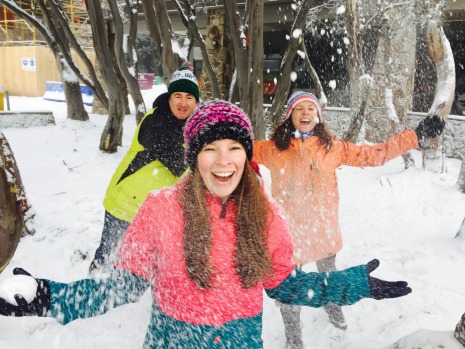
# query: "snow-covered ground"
406,218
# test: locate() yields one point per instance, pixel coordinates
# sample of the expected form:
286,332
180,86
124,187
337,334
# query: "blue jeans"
112,234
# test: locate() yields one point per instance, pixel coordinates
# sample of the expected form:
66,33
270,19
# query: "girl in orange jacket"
302,157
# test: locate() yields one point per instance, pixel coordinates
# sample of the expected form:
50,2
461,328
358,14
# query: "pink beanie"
216,120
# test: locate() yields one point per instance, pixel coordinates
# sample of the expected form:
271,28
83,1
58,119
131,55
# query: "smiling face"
221,165
182,104
305,116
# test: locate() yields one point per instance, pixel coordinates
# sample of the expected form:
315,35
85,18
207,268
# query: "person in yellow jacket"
302,157
154,160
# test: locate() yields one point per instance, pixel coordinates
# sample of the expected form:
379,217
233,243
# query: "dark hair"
282,134
252,210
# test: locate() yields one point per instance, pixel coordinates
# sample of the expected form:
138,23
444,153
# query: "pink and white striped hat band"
299,96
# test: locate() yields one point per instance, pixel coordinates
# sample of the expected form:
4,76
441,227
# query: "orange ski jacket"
304,183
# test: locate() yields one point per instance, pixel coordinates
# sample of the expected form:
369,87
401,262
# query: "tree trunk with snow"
284,82
129,78
189,19
238,37
151,19
359,86
248,56
319,90
256,50
74,103
161,32
72,91
170,59
13,204
441,54
111,134
393,90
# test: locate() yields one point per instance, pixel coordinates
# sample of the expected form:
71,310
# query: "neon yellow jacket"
154,160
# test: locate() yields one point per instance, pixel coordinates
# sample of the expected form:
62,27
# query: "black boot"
292,326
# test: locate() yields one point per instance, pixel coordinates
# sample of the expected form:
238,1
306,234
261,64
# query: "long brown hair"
282,134
252,210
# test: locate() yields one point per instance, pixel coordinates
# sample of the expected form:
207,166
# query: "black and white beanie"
184,80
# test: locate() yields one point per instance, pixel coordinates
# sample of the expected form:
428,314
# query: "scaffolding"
79,23
15,31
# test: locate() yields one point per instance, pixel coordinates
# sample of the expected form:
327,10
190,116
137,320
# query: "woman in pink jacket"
302,157
209,246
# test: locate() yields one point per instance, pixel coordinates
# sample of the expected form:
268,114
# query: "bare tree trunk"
190,22
161,31
255,110
359,87
111,134
13,204
441,53
238,37
72,91
130,79
391,110
170,60
284,82
357,117
151,20
356,66
319,91
190,47
74,103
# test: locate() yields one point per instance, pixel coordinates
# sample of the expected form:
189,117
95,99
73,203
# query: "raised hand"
380,289
40,305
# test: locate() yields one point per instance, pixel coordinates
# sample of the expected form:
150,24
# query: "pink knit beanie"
216,120
299,96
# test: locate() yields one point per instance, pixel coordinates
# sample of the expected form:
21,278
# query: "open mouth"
305,122
222,176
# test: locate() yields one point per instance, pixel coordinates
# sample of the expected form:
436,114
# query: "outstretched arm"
339,287
79,299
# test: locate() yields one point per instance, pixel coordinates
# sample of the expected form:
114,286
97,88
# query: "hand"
429,127
40,305
380,289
